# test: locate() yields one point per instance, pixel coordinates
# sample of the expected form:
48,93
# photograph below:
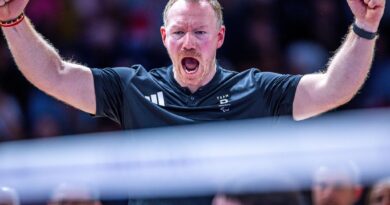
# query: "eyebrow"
176,26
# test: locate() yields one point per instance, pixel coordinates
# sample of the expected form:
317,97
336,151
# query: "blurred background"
286,36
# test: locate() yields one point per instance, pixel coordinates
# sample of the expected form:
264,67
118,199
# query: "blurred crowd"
331,185
286,36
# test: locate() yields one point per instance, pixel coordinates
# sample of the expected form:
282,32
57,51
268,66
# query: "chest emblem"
224,103
157,98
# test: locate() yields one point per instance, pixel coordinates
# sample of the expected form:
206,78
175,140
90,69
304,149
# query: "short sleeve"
279,91
109,94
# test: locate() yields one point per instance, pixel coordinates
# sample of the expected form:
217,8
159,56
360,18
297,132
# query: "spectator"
380,193
336,185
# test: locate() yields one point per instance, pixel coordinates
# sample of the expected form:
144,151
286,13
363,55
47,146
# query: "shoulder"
227,73
250,73
259,75
160,72
265,80
122,73
162,75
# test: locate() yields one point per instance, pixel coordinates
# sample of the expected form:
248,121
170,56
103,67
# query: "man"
194,88
336,185
380,193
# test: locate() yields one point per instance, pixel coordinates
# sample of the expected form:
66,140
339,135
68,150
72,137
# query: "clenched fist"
10,9
368,13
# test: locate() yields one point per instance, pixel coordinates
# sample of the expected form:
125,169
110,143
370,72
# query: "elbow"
337,99
340,92
347,99
300,117
342,98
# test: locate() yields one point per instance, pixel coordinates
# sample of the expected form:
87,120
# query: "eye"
200,32
178,33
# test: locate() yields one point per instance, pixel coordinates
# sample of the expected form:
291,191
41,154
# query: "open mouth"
190,64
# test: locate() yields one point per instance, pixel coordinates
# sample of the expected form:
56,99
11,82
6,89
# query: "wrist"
12,22
366,27
363,33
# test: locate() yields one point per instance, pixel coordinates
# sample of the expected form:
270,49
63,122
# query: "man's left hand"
368,13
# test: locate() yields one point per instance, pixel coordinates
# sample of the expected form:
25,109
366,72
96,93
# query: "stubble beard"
207,69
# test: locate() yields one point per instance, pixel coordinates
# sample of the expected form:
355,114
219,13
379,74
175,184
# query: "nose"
188,42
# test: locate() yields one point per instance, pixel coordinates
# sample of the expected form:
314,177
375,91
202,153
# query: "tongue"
190,63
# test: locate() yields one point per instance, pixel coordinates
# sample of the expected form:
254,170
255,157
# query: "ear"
163,32
221,36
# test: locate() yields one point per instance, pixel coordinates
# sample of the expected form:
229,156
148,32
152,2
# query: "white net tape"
201,159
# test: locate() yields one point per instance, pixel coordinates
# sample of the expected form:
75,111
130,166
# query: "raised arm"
347,71
41,64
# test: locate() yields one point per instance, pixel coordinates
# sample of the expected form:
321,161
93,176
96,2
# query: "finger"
376,3
4,2
379,3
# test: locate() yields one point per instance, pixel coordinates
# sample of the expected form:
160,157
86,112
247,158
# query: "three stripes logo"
157,99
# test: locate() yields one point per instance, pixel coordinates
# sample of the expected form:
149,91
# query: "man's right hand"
11,9
41,64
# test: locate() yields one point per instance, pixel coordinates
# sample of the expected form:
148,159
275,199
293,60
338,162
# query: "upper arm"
74,85
315,94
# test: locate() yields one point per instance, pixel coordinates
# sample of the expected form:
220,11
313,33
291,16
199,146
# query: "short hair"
214,4
349,168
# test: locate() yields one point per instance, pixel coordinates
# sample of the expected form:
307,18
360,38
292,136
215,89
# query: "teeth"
190,71
190,65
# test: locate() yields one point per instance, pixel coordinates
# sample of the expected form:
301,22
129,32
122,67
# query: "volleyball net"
258,155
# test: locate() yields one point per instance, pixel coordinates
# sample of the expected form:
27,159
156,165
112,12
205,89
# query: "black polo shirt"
136,98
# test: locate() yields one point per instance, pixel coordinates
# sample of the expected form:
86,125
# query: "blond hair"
214,4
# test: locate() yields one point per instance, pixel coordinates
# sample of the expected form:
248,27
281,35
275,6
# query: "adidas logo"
157,99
